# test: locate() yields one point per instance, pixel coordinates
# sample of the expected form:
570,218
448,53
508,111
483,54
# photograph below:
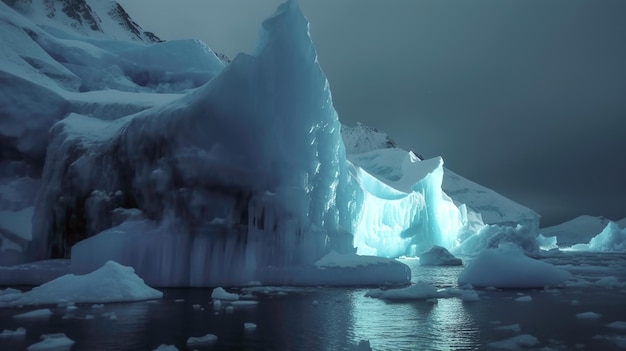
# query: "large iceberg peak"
252,161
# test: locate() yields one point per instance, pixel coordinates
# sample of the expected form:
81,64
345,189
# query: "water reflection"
337,318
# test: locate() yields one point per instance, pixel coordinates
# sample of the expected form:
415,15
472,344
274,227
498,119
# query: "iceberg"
199,174
611,238
111,283
507,267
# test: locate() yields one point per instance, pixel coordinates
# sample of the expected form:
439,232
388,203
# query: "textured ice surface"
508,267
110,283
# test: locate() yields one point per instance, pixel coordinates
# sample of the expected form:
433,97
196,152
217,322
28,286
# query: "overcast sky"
527,97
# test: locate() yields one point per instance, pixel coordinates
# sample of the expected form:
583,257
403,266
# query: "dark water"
338,318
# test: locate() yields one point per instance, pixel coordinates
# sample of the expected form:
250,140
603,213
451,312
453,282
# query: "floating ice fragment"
608,282
515,343
164,347
617,325
42,313
200,340
220,294
418,291
588,315
526,298
17,333
249,326
56,342
244,303
511,327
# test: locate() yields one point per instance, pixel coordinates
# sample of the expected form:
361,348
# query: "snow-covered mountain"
63,67
493,207
92,18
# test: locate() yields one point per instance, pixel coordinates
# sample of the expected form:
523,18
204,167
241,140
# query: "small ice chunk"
89,316
515,343
17,333
588,315
249,326
617,340
315,302
229,309
179,300
200,340
244,303
110,315
56,342
164,347
217,304
97,305
526,298
511,327
197,307
617,325
42,313
71,308
220,294
608,282
575,302
469,295
418,291
439,256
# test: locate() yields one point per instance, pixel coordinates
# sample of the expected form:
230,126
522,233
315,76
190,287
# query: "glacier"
196,173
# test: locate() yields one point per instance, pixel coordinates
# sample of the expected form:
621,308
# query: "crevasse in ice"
243,179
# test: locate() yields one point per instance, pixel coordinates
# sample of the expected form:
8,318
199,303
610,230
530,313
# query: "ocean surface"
323,318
